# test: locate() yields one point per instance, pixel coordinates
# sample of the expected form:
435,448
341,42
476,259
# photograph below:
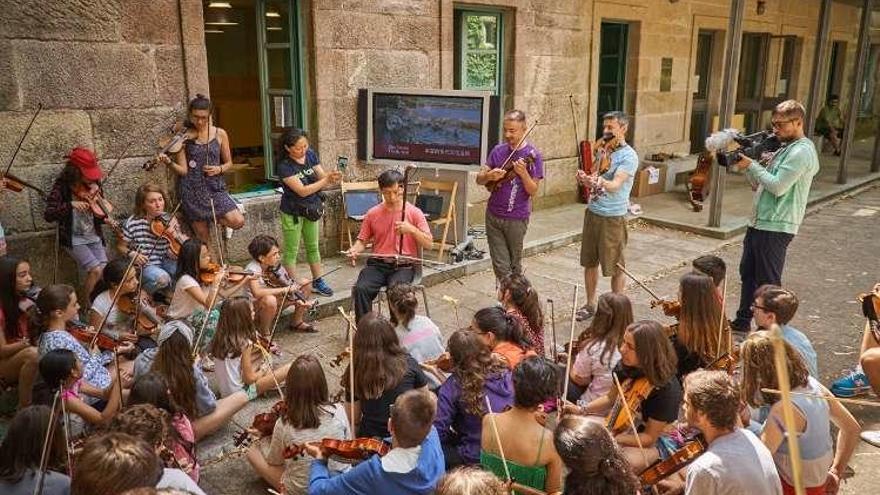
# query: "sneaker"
585,313
871,436
321,287
855,383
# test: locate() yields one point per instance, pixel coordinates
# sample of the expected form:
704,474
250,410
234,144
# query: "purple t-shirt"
510,200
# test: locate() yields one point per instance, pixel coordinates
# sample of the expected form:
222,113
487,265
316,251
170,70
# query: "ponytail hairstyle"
596,464
113,274
9,297
188,259
502,325
52,298
235,328
56,367
200,102
473,363
402,302
289,138
524,297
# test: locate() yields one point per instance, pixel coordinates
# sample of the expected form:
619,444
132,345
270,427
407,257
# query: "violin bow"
454,302
639,282
268,357
278,314
577,141
57,248
519,144
118,379
217,232
497,438
21,141
631,421
855,402
195,349
116,294
47,443
351,329
409,167
574,299
553,330
784,384
721,322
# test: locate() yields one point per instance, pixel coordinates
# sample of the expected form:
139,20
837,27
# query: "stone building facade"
107,72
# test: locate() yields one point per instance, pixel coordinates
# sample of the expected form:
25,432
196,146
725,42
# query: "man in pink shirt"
383,227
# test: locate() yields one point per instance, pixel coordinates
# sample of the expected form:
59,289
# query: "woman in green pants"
302,179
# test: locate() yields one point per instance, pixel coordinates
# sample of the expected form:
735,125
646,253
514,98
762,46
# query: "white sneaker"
871,436
229,233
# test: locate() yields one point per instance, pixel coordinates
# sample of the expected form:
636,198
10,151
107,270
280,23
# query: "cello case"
586,161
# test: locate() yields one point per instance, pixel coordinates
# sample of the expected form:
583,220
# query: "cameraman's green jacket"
784,187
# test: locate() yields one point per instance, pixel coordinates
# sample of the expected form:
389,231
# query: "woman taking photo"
302,179
205,156
18,358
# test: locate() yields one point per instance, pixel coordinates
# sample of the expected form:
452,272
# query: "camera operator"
780,202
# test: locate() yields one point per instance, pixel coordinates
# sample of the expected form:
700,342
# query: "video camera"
730,145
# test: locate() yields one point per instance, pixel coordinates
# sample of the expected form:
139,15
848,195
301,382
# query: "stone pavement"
828,265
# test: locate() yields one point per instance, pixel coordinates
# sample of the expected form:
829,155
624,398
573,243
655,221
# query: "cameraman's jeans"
762,262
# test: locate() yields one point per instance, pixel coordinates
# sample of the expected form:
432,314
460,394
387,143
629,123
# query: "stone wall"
107,71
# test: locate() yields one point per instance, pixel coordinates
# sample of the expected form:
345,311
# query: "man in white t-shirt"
736,461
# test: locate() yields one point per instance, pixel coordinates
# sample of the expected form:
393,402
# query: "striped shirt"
136,232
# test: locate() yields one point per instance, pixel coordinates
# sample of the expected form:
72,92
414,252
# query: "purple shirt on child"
511,201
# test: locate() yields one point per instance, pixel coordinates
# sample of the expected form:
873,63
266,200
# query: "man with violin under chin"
735,461
152,238
783,187
604,232
414,465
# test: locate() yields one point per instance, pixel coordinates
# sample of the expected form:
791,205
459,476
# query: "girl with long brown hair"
645,353
18,357
821,462
311,416
520,299
240,362
461,401
503,334
597,349
21,453
596,466
174,360
700,324
384,371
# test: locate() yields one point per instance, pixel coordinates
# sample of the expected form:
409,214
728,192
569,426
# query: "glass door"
612,69
700,104
279,58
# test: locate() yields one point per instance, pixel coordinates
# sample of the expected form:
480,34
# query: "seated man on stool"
383,227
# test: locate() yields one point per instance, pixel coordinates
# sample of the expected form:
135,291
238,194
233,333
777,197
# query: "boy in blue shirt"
773,304
414,465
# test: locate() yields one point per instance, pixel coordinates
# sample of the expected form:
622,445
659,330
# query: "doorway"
835,69
700,103
255,76
612,69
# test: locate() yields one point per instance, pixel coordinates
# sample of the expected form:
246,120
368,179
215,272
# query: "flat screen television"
456,128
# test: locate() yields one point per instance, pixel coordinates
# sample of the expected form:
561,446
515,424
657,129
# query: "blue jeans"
159,276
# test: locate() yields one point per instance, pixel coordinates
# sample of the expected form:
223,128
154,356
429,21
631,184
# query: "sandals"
585,313
303,327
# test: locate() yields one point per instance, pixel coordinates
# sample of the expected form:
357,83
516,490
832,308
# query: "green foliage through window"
480,50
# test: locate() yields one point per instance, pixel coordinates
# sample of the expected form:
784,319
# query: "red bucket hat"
84,159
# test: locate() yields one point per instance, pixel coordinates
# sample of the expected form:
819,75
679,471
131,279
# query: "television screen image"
430,128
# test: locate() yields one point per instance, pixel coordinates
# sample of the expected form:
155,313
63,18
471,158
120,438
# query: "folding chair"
431,201
357,199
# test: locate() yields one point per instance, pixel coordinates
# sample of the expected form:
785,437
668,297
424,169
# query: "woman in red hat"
79,226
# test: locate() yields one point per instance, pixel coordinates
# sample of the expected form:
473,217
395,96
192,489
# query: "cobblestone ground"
829,263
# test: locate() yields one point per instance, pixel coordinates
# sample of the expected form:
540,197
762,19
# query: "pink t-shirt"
378,226
184,450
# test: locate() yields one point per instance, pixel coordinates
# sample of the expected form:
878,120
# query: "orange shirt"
512,353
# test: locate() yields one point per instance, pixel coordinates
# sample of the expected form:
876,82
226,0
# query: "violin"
148,321
670,308
177,134
100,207
354,450
167,229
726,362
275,277
510,173
662,469
262,426
85,334
17,185
342,356
698,182
602,150
442,363
634,392
233,276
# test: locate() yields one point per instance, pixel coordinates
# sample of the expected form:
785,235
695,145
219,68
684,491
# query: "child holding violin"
152,238
62,372
703,333
307,415
272,287
120,325
76,205
414,465
241,360
198,284
646,373
18,357
54,317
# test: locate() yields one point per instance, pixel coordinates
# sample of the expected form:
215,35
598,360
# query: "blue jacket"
368,477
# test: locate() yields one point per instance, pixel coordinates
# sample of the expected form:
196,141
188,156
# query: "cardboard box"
242,175
649,180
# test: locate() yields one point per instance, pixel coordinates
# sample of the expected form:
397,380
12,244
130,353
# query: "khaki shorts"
603,242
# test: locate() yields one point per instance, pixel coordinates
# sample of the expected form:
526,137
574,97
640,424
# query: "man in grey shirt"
736,461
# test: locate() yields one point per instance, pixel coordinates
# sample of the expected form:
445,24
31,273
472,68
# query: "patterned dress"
195,189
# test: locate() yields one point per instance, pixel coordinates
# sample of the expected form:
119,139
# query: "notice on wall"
666,75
